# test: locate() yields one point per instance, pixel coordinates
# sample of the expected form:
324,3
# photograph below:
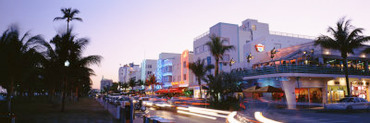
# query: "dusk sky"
125,31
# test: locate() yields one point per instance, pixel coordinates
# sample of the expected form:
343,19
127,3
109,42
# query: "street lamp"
249,57
66,63
232,61
273,52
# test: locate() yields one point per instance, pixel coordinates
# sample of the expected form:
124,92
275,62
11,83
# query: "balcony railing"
299,69
291,35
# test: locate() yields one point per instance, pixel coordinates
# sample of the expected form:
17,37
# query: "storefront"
337,89
311,95
196,92
360,89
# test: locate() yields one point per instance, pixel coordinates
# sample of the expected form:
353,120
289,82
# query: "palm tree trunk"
77,93
64,94
67,26
346,74
216,66
200,87
10,94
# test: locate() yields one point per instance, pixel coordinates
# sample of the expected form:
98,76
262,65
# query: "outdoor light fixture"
66,63
232,61
249,57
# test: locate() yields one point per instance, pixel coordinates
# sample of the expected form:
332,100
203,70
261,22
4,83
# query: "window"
254,27
226,41
169,69
184,76
199,49
149,72
149,66
205,47
277,45
184,64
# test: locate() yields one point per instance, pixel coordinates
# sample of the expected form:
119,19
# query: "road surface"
176,117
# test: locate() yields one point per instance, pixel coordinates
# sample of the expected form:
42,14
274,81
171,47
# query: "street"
177,118
314,116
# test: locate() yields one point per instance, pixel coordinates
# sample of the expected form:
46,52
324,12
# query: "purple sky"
129,31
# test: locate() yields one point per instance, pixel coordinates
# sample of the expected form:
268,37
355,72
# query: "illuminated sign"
260,47
176,83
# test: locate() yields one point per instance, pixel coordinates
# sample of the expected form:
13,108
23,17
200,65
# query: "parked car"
350,103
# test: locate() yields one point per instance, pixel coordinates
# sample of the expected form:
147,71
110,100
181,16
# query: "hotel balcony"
299,70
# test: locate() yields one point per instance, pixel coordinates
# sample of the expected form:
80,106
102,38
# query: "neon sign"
260,47
176,83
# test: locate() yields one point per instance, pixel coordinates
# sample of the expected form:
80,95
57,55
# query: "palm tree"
151,81
120,86
68,15
218,49
132,83
199,70
140,83
125,86
15,49
345,38
67,47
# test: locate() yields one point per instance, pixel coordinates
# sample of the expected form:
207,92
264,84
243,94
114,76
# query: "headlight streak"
199,115
231,119
261,118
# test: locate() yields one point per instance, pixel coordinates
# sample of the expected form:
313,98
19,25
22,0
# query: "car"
349,103
161,103
198,102
179,100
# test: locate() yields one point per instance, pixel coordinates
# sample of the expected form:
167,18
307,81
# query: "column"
368,93
366,66
289,90
325,92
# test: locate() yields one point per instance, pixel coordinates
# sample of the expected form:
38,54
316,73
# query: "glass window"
254,28
277,45
344,100
226,41
184,76
149,66
362,100
205,47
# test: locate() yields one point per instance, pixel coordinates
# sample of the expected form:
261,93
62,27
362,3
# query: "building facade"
126,72
148,67
310,74
168,69
245,38
105,83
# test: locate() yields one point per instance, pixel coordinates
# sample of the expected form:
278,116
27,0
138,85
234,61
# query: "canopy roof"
266,89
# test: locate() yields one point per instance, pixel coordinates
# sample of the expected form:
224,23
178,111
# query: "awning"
269,89
251,89
171,90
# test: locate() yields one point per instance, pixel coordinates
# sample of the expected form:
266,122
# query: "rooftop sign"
260,47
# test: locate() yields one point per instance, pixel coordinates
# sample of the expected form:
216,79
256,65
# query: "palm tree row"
34,65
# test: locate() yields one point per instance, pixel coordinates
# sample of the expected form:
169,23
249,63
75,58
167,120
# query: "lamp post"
66,64
273,52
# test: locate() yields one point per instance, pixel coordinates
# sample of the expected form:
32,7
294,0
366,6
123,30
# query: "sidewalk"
86,110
